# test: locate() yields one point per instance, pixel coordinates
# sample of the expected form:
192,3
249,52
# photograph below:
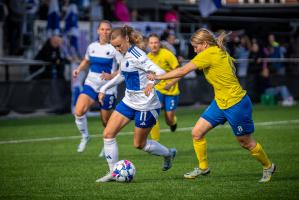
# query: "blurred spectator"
263,83
51,52
107,9
71,28
135,15
121,11
43,10
242,53
172,16
53,19
96,12
276,51
168,41
14,21
3,11
294,49
31,8
232,43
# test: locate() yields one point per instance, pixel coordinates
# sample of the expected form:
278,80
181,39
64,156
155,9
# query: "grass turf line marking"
269,123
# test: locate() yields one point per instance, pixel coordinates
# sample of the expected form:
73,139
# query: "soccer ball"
124,171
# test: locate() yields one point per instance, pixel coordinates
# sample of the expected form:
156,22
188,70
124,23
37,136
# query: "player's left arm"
107,76
113,82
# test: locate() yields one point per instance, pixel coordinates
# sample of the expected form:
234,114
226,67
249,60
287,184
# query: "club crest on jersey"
107,53
127,64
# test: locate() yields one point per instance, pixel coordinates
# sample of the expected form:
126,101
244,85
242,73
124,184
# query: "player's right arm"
83,65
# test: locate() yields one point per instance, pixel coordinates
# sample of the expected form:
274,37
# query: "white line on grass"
270,123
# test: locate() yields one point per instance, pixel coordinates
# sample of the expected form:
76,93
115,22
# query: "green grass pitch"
38,160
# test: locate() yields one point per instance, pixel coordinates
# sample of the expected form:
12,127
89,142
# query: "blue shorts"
239,116
168,102
143,119
109,100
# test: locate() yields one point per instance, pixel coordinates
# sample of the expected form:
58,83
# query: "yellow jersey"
166,61
219,70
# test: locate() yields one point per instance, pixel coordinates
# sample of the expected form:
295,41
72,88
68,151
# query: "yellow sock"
261,156
200,148
155,132
174,120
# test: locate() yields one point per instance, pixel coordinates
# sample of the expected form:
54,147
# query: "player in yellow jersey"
167,90
231,102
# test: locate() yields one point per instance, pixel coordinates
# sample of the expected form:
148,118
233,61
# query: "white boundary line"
269,123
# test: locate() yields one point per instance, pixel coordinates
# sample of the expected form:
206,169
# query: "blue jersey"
102,58
134,66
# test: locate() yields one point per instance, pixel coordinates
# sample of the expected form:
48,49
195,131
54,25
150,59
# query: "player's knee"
197,134
79,111
107,134
247,144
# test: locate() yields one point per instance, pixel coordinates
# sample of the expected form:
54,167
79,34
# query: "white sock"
111,152
81,123
155,148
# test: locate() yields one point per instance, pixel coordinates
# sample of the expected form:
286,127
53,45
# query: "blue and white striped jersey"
102,58
134,66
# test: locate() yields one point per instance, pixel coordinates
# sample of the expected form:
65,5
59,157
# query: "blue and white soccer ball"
124,171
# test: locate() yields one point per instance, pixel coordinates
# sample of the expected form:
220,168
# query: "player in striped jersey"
101,59
140,102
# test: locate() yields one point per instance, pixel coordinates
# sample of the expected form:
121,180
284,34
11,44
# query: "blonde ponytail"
204,35
220,40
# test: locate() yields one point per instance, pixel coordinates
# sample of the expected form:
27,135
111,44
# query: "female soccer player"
231,102
167,90
100,56
140,102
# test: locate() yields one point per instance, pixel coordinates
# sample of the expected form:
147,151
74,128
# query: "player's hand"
151,76
101,97
106,76
148,89
76,72
167,87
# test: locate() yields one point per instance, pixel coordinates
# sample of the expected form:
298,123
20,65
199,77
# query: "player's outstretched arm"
177,73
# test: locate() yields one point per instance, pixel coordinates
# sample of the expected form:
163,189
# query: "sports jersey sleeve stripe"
136,52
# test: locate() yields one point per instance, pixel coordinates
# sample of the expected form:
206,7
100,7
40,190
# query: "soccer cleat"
102,153
267,174
173,127
196,172
107,178
168,159
82,145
